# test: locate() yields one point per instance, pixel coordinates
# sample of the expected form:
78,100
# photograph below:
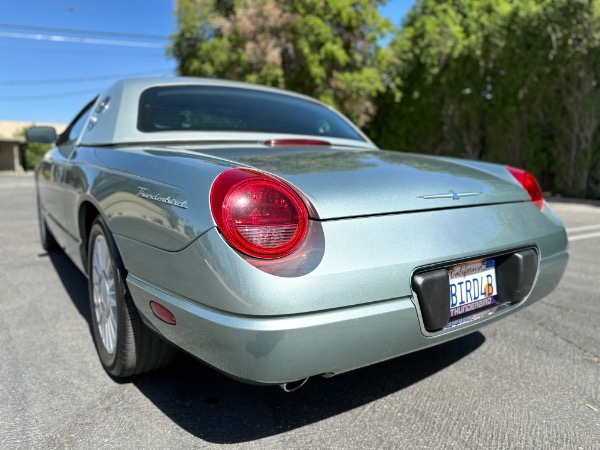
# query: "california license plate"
472,286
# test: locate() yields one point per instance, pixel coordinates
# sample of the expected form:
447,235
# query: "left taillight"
530,184
258,215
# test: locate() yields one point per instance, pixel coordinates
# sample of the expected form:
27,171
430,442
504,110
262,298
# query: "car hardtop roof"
116,121
142,83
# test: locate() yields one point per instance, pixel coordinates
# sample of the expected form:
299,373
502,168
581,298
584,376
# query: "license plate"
472,286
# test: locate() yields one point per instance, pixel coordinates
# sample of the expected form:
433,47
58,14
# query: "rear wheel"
125,345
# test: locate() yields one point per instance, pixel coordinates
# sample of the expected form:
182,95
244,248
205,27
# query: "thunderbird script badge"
143,192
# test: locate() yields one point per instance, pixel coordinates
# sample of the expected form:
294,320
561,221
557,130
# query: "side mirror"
43,135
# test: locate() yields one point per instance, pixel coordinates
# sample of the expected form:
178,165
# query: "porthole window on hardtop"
219,108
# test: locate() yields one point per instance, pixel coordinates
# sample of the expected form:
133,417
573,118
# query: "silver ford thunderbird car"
263,233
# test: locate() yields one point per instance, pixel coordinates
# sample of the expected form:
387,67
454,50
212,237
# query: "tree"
328,49
506,81
445,64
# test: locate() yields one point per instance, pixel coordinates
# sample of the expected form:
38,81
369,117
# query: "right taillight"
530,184
258,214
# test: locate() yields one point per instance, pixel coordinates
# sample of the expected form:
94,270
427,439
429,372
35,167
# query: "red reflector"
530,184
163,313
295,142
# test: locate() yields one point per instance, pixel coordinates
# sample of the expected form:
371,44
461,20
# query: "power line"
80,31
57,95
79,79
79,40
82,52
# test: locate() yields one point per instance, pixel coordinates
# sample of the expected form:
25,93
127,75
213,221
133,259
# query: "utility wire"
80,79
79,40
57,95
115,54
88,32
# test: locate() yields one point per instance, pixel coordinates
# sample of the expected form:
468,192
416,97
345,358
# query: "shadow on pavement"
74,282
217,409
220,410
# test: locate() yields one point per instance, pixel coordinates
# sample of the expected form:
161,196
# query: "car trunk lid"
354,182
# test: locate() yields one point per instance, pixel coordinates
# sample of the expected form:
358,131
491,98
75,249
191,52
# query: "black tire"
47,239
132,348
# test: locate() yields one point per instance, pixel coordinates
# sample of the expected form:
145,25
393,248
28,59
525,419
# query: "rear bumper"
278,349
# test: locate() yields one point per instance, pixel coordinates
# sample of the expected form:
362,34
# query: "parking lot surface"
531,380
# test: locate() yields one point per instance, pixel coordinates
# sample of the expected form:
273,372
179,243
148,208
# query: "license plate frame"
473,287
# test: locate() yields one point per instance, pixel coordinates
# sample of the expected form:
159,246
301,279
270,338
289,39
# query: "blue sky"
57,54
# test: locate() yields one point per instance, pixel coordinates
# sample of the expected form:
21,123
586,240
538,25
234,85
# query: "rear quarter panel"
112,180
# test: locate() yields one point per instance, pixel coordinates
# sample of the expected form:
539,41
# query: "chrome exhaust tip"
293,385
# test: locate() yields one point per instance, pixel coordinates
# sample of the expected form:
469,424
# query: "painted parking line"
584,236
574,232
583,228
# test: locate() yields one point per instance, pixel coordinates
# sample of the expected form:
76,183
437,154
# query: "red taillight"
257,214
530,184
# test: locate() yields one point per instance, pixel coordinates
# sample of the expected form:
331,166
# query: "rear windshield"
212,108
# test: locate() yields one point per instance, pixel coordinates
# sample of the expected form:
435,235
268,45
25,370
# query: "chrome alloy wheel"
104,294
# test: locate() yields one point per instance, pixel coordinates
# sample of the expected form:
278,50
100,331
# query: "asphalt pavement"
531,380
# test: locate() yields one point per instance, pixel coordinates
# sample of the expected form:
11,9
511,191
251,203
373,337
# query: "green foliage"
510,81
328,49
500,80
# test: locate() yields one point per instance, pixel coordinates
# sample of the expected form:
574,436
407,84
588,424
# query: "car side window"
77,127
69,136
